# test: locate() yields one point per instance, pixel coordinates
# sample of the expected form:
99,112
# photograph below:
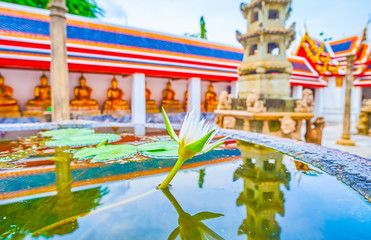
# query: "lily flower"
194,138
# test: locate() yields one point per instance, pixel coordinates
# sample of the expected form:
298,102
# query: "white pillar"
321,100
58,65
297,92
234,89
356,103
317,102
194,95
138,99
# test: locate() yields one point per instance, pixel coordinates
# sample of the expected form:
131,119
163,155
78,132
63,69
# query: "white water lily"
194,138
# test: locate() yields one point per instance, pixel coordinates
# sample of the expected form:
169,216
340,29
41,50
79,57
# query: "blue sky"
336,18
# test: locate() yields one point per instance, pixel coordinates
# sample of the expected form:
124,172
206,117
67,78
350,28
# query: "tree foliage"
85,8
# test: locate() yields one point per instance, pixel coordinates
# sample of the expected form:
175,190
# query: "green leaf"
206,215
115,152
62,133
162,149
199,144
214,145
169,128
106,152
83,140
85,153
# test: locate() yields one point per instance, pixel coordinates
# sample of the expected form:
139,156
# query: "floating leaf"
163,149
85,153
106,152
62,133
121,151
83,140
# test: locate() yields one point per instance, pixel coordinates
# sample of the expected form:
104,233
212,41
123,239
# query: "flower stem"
172,173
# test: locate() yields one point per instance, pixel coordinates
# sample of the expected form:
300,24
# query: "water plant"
194,138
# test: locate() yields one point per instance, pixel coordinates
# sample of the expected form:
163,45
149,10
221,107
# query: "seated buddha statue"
211,102
169,102
37,106
115,104
8,105
151,106
82,103
186,100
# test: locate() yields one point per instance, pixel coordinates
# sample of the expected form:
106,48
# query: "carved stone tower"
265,68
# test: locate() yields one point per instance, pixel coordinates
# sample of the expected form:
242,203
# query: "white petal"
210,146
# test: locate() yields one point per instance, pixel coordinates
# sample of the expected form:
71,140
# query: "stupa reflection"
263,173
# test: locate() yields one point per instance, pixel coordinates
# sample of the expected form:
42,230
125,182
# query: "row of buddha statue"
83,104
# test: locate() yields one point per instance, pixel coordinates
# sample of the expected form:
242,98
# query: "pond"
237,191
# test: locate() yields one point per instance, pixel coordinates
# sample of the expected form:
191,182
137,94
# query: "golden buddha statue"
211,102
169,102
82,104
115,104
37,106
151,106
186,101
8,105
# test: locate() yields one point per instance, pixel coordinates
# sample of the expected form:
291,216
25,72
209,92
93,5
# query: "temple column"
297,92
317,99
356,103
234,89
58,65
321,100
345,139
194,95
138,100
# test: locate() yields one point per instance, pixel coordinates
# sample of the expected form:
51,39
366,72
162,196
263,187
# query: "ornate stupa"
265,68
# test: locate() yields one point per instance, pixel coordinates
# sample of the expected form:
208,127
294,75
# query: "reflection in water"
51,215
262,173
64,199
191,227
201,178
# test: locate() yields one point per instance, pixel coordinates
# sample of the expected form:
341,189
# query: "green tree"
85,8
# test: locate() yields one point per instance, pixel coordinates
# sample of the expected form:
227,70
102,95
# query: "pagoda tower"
265,68
262,173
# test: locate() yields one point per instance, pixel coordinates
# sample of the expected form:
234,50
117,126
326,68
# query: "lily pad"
106,152
163,149
83,140
62,133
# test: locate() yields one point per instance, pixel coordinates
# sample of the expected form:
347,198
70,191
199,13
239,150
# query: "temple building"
179,73
322,66
150,69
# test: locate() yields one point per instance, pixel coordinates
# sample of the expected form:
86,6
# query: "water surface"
243,191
